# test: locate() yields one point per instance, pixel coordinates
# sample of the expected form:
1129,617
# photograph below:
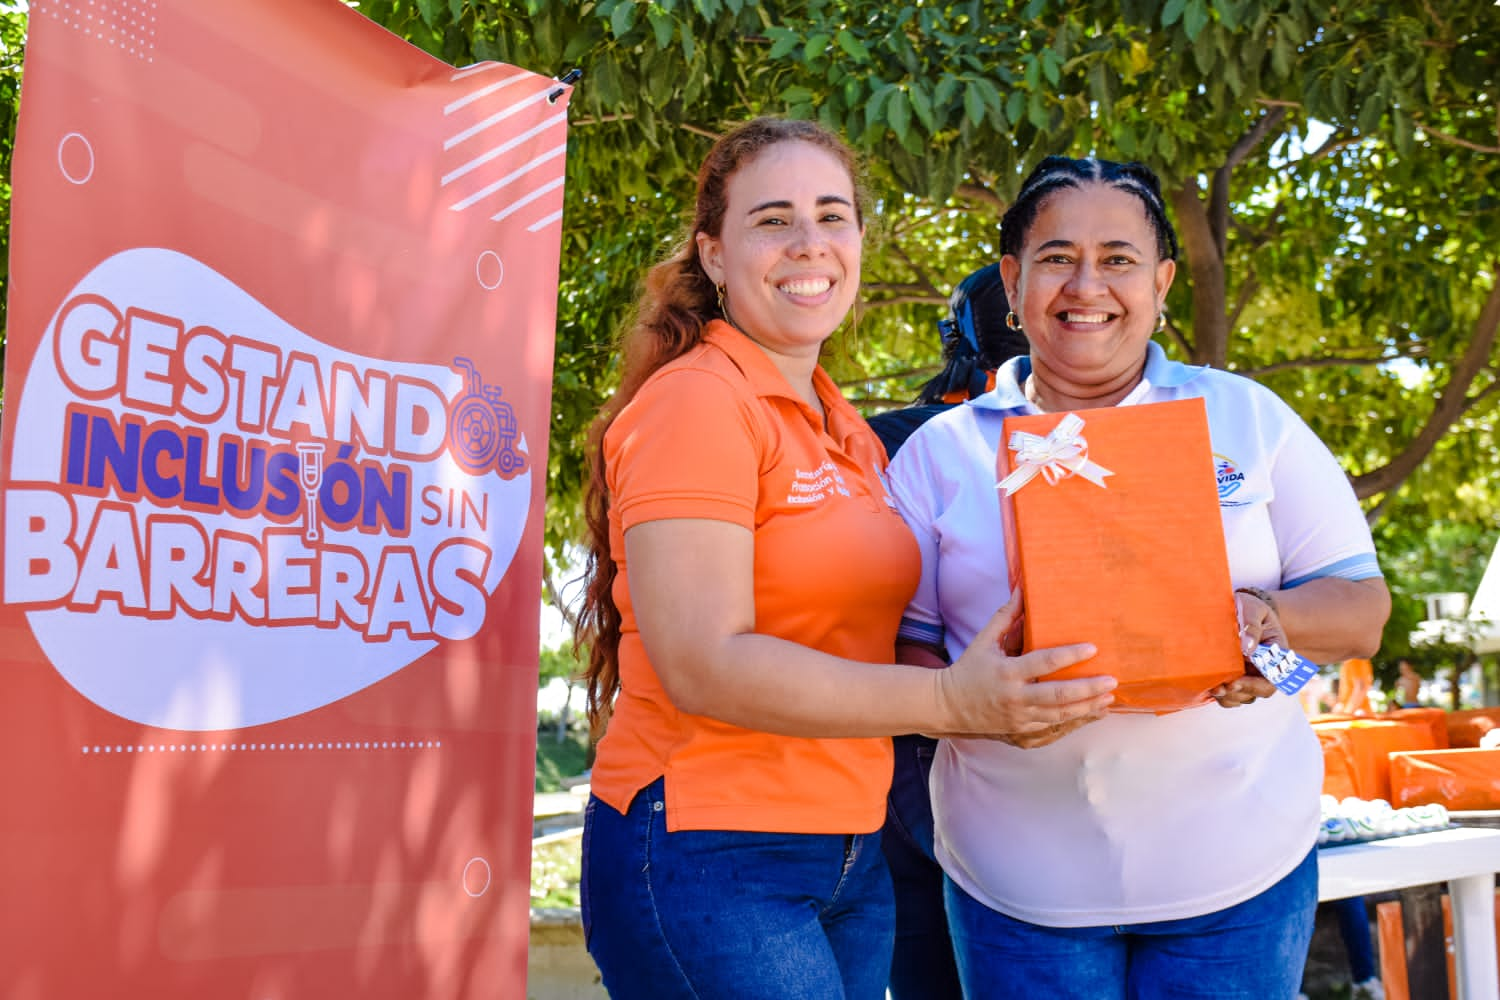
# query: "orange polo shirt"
719,434
1355,679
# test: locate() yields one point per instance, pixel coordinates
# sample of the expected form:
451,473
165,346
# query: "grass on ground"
555,861
556,761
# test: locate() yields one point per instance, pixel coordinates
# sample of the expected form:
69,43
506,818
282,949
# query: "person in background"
1356,677
1359,947
1351,912
976,341
1134,855
746,575
1408,685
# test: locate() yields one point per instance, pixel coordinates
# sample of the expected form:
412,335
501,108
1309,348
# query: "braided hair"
976,340
1058,172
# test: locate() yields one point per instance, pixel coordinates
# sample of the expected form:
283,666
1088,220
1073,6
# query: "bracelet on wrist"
1265,596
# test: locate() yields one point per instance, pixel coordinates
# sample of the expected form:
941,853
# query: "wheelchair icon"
482,427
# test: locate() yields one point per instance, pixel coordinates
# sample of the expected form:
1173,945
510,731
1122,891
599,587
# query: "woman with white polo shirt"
1132,856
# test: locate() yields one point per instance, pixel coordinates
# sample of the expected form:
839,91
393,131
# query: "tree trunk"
1450,406
564,717
1205,264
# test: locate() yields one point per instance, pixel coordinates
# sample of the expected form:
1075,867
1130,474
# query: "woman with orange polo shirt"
746,577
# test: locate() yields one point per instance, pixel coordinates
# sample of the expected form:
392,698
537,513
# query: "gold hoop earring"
719,291
1013,321
1161,321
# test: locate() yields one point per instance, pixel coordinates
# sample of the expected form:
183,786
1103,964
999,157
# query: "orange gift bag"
1465,779
1114,535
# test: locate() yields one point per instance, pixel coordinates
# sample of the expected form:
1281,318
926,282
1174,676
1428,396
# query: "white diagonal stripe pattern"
520,203
524,138
493,120
545,221
503,148
522,171
483,92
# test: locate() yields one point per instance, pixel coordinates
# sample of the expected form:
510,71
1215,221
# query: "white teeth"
1083,317
807,286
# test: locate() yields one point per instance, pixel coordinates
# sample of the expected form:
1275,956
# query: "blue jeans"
1354,928
724,914
922,967
1251,951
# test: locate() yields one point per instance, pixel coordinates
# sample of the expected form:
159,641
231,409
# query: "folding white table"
1467,858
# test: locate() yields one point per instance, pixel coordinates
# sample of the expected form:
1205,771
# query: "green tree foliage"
1338,158
1425,559
1333,169
559,664
12,49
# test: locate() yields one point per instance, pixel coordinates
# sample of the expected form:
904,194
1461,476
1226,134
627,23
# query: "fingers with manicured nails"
1242,691
1041,662
1258,623
988,692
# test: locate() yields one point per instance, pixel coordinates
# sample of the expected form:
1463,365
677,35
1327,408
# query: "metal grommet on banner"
569,78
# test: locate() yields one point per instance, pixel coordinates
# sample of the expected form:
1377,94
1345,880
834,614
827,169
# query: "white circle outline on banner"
63,167
465,879
479,276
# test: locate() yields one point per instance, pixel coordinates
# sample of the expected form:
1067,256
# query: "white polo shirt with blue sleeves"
1134,818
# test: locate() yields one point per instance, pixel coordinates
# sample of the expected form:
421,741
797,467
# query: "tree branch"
1257,238
913,299
878,402
1452,402
1483,394
1179,338
602,120
1248,288
1455,140
1335,141
627,117
924,280
554,597
898,287
1331,361
1205,265
921,371
692,129
1434,15
1218,188
1254,137
982,195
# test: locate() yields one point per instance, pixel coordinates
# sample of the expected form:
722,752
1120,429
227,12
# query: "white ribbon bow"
1057,456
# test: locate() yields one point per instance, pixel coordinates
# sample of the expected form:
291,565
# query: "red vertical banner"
272,462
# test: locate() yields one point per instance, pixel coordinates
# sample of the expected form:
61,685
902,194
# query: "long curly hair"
676,303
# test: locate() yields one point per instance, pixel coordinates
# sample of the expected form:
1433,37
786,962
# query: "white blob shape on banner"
311,520
75,158
490,270
476,878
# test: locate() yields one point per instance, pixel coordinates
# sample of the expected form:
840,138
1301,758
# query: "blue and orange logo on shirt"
1229,476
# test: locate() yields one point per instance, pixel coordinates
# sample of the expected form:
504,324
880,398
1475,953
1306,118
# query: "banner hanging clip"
572,76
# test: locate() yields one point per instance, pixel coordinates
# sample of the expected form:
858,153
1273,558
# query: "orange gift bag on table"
1113,534
1464,780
